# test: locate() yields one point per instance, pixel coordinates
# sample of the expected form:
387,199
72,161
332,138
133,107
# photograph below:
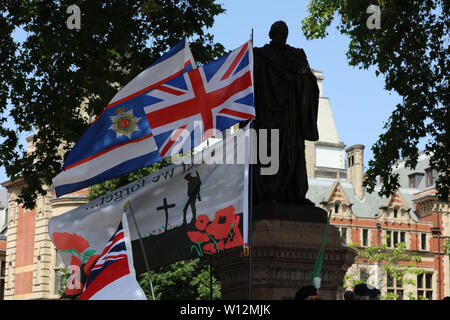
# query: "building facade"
3,230
32,269
413,215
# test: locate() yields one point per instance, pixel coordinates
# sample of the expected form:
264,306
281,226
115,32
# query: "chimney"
355,168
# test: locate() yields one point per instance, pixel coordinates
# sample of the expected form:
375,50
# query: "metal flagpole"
128,203
250,206
250,225
210,278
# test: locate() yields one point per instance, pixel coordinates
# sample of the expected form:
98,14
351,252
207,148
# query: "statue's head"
278,33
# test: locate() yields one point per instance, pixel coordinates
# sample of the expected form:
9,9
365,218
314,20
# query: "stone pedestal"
283,257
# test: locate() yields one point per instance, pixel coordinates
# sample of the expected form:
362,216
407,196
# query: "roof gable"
337,193
397,200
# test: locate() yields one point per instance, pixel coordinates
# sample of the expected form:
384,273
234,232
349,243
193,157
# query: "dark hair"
349,295
305,292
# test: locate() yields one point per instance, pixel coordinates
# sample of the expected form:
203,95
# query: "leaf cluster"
58,80
182,280
411,51
396,262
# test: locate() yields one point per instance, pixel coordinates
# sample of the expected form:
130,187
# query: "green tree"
411,51
54,71
446,246
185,280
395,263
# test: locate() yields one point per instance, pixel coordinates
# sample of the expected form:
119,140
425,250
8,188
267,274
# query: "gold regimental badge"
124,123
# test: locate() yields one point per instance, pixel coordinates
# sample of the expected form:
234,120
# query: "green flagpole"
318,265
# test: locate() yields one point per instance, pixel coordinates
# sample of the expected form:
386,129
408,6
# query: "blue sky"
359,102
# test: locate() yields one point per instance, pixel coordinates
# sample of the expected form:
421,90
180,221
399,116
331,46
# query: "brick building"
34,271
3,229
413,215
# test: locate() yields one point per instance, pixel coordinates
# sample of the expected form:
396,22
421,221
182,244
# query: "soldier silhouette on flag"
193,193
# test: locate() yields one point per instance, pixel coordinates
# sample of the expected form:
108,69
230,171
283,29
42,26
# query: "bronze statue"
286,98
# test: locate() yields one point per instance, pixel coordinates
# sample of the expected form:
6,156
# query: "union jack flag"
212,97
113,276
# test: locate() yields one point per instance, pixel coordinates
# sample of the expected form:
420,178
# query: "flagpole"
250,208
250,218
319,260
210,278
128,203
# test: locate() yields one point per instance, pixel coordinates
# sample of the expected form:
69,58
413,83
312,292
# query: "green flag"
315,278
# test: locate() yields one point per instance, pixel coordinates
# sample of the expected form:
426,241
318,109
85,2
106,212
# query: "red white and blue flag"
184,111
113,276
120,140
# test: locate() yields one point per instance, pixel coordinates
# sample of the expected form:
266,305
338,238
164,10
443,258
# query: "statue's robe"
286,98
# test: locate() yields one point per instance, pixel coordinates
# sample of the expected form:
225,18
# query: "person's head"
307,293
349,295
361,292
278,33
366,292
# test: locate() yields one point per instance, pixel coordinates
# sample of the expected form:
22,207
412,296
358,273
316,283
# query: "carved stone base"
283,257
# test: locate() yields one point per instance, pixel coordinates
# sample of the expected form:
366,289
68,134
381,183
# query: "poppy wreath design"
75,245
216,235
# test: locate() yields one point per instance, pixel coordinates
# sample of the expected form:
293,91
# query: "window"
423,241
430,176
403,237
2,278
388,238
412,180
2,269
394,237
59,274
365,236
395,213
424,285
350,161
395,286
344,234
336,208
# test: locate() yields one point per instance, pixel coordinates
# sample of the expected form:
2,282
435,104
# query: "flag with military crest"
120,140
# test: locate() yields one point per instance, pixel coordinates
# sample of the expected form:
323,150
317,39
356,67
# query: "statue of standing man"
286,98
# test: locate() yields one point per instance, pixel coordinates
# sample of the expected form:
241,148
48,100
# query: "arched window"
336,207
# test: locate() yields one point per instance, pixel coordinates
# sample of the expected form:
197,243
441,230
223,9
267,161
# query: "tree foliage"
411,50
54,71
395,262
182,280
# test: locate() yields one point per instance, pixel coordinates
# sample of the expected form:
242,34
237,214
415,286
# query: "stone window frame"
390,243
59,270
424,286
393,286
423,242
430,176
344,237
367,238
